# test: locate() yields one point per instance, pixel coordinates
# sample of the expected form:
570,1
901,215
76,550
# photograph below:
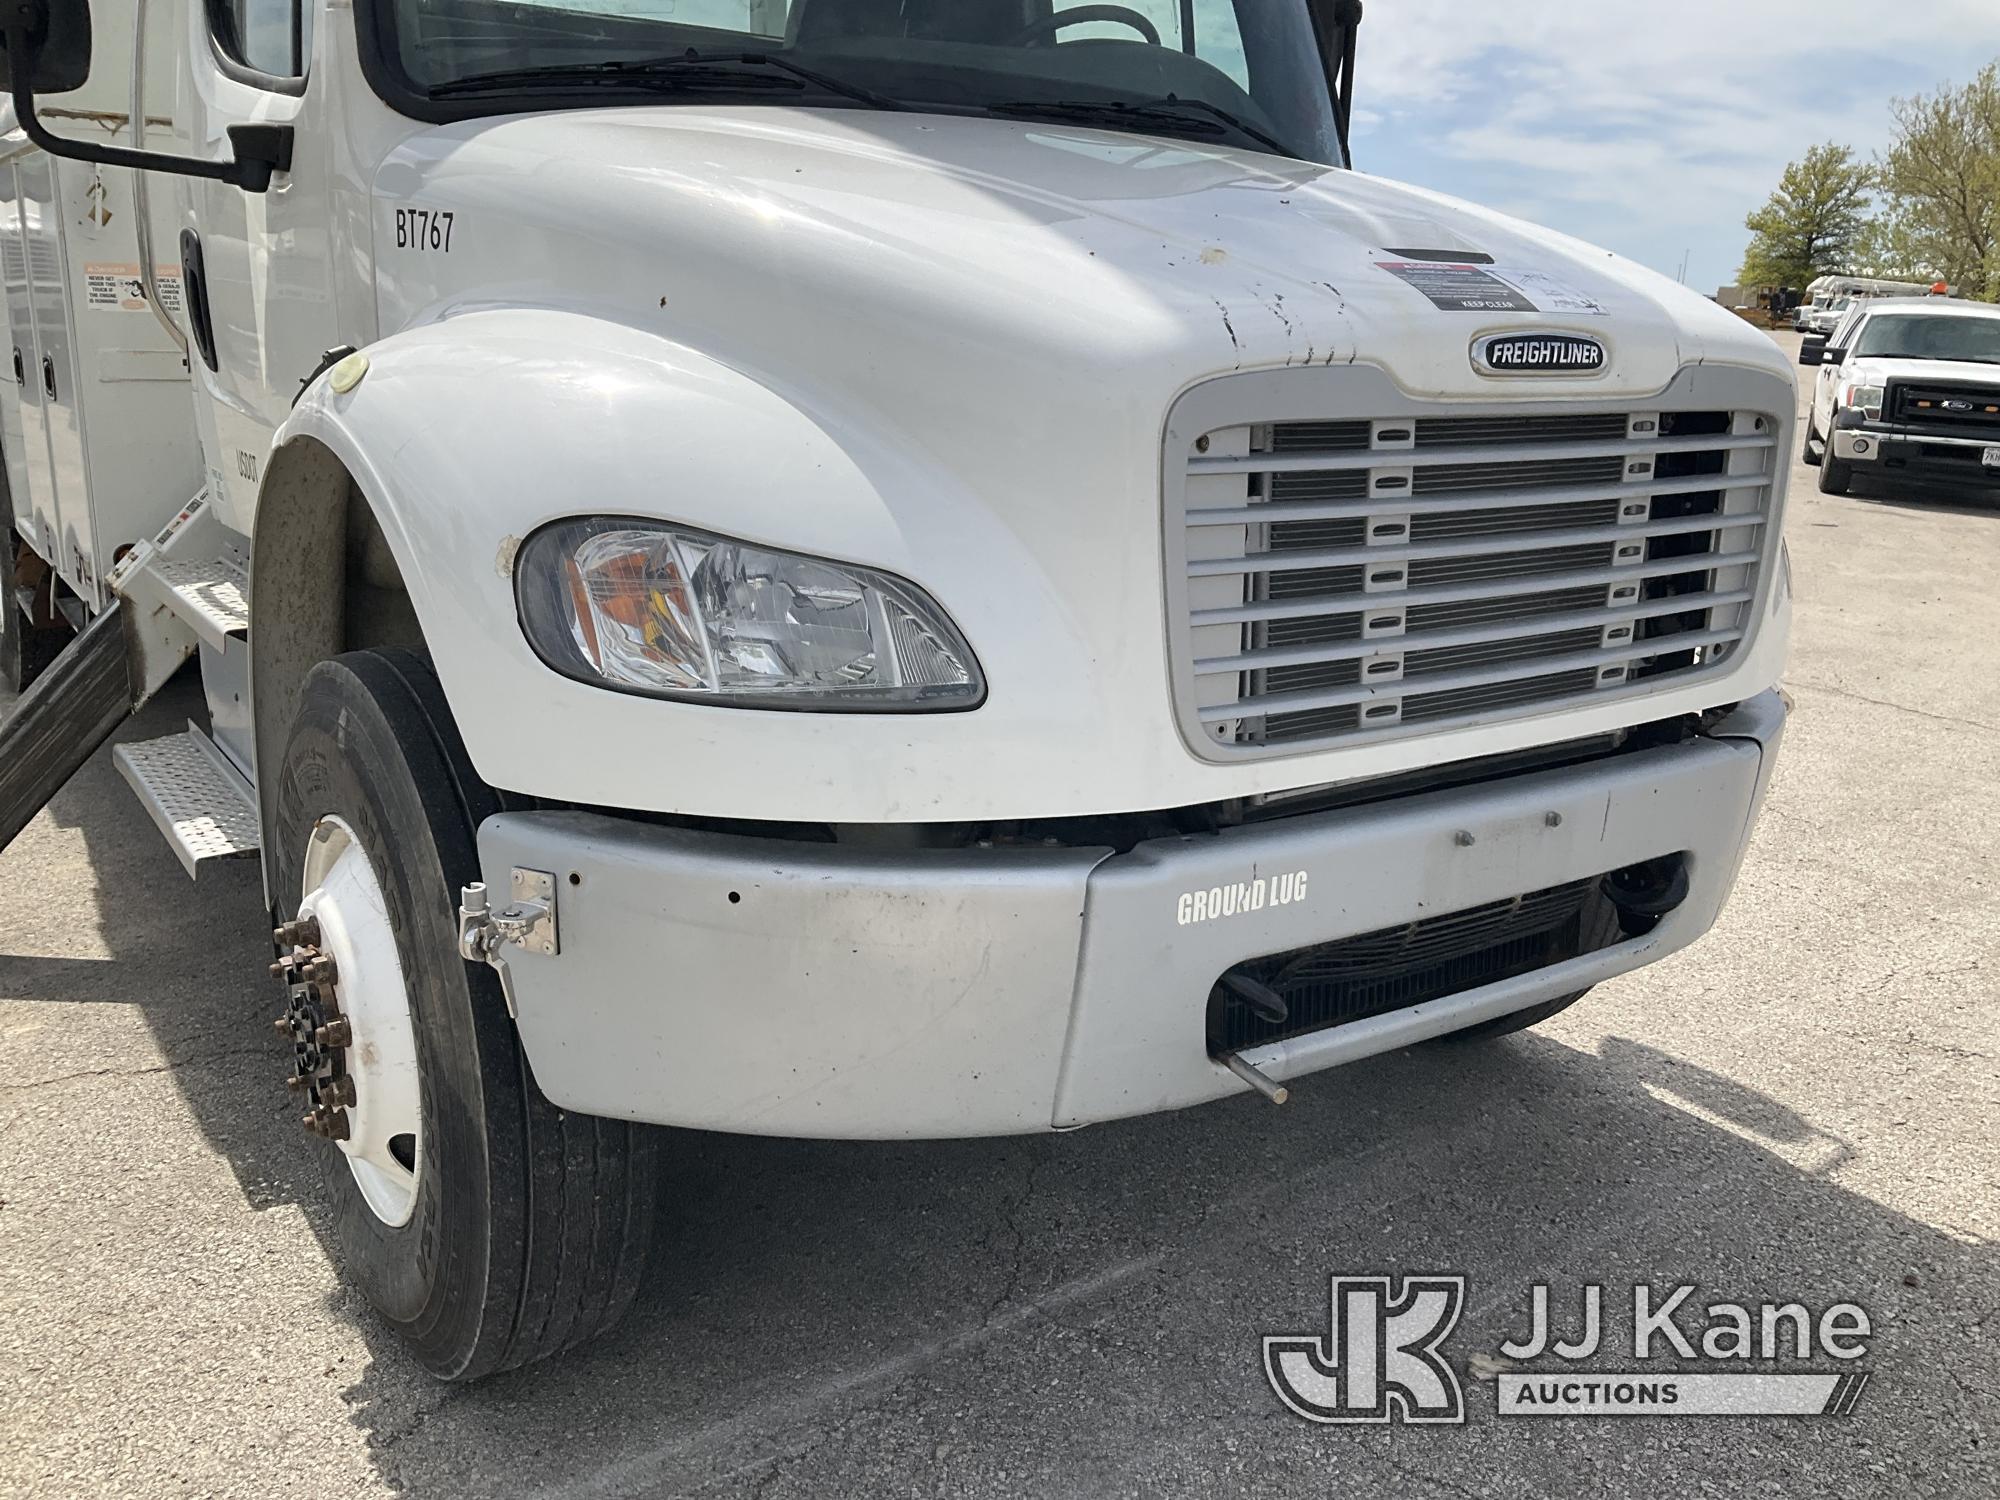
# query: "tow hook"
1267,1005
320,1035
528,922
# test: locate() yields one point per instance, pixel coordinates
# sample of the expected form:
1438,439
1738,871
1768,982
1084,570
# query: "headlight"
1867,397
681,614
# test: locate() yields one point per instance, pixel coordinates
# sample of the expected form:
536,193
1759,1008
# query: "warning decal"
1454,287
117,288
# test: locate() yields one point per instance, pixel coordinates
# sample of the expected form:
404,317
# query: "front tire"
1836,475
519,1229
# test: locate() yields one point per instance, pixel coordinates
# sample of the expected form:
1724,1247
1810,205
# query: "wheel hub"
318,1032
347,1017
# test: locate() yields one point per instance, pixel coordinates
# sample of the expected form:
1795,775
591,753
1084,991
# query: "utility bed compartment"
96,408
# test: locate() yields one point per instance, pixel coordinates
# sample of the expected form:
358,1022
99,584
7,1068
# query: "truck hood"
1926,372
784,239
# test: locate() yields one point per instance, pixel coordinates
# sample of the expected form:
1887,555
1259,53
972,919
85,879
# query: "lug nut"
319,971
296,1082
334,1034
337,1090
312,1124
301,931
335,1128
283,1026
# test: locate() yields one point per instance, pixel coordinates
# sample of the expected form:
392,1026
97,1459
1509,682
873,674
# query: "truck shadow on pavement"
1081,1314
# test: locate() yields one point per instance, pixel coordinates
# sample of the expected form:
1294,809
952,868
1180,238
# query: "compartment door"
41,295
14,366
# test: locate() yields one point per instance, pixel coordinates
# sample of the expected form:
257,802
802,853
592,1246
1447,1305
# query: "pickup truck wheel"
486,1226
1836,475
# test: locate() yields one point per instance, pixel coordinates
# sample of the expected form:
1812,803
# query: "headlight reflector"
1868,398
683,614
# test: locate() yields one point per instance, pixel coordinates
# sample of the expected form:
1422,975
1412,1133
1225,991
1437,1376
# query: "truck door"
256,264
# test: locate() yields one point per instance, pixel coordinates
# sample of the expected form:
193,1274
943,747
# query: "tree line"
1926,209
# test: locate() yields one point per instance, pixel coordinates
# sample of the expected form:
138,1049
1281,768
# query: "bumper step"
202,804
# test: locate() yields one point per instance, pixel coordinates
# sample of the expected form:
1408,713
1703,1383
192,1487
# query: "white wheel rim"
343,895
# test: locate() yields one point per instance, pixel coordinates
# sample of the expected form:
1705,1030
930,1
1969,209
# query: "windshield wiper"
688,70
1164,116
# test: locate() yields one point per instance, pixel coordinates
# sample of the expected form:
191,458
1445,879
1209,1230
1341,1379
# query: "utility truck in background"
848,568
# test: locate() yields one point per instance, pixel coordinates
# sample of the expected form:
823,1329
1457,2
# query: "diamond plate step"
211,594
203,806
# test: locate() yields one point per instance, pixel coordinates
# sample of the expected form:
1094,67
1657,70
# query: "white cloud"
1650,128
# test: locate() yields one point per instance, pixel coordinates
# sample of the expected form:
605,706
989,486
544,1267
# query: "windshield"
1917,336
1237,72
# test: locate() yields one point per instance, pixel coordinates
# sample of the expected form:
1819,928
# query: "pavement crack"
1901,708
170,1065
1010,1218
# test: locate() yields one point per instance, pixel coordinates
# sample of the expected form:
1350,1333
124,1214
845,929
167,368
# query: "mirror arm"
261,150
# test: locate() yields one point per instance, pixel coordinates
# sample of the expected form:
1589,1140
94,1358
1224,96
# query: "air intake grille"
1349,578
1378,972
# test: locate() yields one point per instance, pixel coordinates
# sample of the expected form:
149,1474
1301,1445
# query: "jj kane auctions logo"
1381,1359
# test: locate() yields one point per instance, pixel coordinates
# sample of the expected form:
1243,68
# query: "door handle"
194,290
49,376
20,370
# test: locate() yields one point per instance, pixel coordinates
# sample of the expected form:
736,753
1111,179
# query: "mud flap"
71,709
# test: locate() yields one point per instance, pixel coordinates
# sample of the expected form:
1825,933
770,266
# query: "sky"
1648,128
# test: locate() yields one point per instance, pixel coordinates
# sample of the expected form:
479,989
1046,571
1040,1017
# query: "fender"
465,435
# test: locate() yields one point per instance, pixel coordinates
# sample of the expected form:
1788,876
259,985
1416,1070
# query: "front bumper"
744,984
1928,454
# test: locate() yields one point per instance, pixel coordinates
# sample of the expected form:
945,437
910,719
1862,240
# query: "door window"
270,37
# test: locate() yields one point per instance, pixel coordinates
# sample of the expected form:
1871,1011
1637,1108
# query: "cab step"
211,595
201,802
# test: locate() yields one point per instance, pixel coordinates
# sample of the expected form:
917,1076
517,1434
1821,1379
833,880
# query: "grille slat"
1479,546
1294,462
1297,645
1300,604
1402,571
1456,504
1481,677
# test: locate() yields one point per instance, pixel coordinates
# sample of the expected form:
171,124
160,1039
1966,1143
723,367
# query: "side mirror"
48,41
1813,351
45,48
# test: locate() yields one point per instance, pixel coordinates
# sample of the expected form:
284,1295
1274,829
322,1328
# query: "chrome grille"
1353,577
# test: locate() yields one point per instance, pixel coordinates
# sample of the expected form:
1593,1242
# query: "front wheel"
486,1226
1836,475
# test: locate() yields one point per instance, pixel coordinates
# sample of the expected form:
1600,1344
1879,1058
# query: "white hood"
788,239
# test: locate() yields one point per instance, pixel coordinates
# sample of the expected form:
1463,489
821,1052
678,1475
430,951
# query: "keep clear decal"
1463,287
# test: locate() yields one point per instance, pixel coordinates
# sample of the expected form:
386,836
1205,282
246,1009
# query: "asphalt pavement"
1803,1107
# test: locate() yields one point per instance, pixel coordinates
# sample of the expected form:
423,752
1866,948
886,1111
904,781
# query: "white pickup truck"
856,568
1909,387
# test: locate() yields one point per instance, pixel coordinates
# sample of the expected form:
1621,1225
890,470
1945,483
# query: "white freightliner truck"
851,568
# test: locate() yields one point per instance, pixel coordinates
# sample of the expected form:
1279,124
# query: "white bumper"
771,988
